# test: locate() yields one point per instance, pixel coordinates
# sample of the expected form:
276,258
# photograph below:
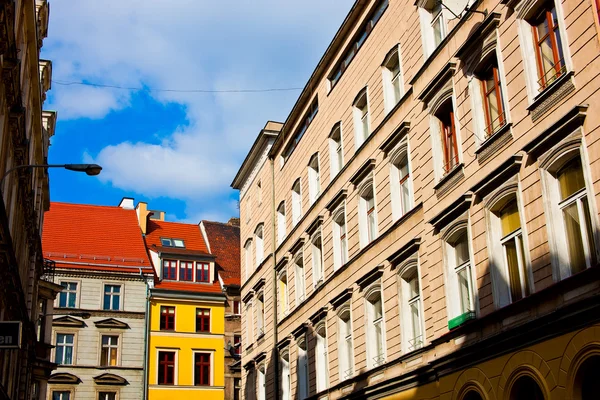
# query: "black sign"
10,335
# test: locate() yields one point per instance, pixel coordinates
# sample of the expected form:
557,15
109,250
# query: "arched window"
412,315
283,294
261,387
393,86
340,238
296,202
336,152
362,122
587,384
526,388
302,368
375,327
401,180
472,395
458,261
345,347
286,391
258,245
260,315
367,223
314,178
321,356
317,258
281,232
300,277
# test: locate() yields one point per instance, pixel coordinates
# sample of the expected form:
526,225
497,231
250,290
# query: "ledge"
312,228
498,139
437,82
259,284
405,251
449,180
495,178
362,172
299,331
447,215
488,24
370,277
392,140
556,91
336,200
297,245
319,315
341,298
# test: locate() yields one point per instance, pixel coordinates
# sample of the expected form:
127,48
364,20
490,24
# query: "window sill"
492,144
449,180
551,96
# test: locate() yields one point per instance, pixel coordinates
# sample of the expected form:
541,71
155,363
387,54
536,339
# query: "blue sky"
177,151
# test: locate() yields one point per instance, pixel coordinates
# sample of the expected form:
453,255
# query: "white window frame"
260,315
412,341
286,381
446,94
158,350
318,272
336,151
391,82
314,178
321,356
362,120
367,234
428,14
73,345
249,322
525,10
248,261
70,391
375,356
283,293
281,227
340,237
302,389
400,205
261,386
296,202
549,165
76,292
110,346
259,245
211,379
300,277
345,342
120,294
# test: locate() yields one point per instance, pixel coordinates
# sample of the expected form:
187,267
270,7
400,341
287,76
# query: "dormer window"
167,242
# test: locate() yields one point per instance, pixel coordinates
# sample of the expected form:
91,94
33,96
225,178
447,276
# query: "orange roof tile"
189,233
93,235
224,241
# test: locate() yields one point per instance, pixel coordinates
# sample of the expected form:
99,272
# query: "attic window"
172,242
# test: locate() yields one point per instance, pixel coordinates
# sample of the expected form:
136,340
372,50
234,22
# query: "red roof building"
224,242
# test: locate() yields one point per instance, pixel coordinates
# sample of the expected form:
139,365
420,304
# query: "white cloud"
186,44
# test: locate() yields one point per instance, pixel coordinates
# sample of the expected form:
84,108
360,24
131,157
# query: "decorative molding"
297,245
260,357
68,321
258,285
370,277
64,378
449,180
248,296
448,214
319,315
494,143
336,200
249,365
337,125
551,96
312,228
438,82
392,140
498,176
362,172
283,343
341,298
111,323
405,252
282,263
485,27
110,379
565,125
300,330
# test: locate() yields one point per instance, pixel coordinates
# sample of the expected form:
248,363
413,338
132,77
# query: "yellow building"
186,332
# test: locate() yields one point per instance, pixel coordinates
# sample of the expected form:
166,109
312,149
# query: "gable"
111,323
110,379
68,321
64,378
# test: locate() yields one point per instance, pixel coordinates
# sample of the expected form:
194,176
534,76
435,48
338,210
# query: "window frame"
108,347
346,342
321,357
409,269
166,363
260,315
361,117
314,178
400,207
203,268
261,376
281,223
167,324
367,232
183,270
299,276
283,293
318,267
210,377
296,202
112,294
286,381
375,360
259,255
390,97
169,269
68,292
336,151
340,237
64,345
203,319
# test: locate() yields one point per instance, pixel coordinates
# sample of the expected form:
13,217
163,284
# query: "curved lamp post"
89,169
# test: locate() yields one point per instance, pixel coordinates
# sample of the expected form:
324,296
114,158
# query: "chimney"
142,215
234,221
127,203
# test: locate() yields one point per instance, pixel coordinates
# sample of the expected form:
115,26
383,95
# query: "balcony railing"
495,125
378,360
348,373
552,74
48,271
415,343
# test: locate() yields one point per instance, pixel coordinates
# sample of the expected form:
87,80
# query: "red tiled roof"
189,287
224,241
189,233
93,235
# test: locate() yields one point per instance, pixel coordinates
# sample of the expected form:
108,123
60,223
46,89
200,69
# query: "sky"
178,151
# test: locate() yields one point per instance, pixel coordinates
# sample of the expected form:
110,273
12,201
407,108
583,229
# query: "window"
321,364
302,368
367,214
548,46
392,79
237,388
248,320
186,271
166,242
248,257
236,307
314,178
447,128
260,316
286,383
375,327
261,388
202,272
110,351
170,269
68,296
166,367
259,192
362,124
586,385
202,369
493,103
340,239
296,202
572,219
61,395
357,42
317,258
511,280
400,180
410,294
433,25
283,294
525,387
112,297
300,278
237,344
346,363
64,349
301,130
107,396
258,245
167,318
336,152
460,286
281,223
202,320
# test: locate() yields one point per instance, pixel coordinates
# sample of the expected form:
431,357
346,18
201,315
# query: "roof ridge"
63,203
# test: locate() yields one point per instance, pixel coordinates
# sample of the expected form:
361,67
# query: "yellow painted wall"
185,341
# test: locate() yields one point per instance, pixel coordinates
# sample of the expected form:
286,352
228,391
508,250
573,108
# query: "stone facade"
445,243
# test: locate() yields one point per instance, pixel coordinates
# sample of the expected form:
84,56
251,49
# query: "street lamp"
82,314
89,169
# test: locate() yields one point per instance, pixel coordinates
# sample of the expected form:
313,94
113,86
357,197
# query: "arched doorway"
587,384
526,388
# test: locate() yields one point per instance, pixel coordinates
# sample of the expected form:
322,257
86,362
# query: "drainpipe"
146,333
275,312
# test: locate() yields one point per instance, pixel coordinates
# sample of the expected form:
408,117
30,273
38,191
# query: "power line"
147,89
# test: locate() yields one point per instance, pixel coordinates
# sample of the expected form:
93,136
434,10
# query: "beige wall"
400,24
